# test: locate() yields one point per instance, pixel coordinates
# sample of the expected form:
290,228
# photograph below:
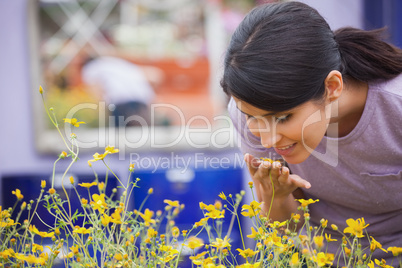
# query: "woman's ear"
333,85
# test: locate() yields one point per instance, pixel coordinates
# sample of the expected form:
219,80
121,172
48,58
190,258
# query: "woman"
330,105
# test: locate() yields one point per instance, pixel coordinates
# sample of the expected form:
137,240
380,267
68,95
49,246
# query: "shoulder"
389,87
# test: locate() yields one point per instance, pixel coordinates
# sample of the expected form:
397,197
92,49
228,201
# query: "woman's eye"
249,118
282,118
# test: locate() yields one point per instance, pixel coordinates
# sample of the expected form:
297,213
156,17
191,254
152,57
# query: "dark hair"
280,55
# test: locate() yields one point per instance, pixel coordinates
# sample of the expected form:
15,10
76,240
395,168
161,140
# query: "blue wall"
388,13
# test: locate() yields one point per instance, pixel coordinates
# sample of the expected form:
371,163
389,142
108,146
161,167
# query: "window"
168,51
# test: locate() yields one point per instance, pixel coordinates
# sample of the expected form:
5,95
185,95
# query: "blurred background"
101,59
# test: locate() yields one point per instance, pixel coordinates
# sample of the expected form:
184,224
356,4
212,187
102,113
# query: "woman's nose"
267,133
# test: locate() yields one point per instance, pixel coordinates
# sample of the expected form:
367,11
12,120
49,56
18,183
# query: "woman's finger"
252,163
299,182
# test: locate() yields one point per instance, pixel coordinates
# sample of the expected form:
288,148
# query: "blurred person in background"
125,86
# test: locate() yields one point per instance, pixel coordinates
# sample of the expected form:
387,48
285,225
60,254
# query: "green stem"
241,232
273,194
114,174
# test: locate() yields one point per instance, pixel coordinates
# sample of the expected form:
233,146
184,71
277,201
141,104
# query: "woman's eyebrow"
267,114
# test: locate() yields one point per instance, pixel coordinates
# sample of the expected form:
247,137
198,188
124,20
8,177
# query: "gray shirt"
358,175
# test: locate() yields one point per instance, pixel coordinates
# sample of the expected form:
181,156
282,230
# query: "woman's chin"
295,159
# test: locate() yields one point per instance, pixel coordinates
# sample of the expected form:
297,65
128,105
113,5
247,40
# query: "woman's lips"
285,150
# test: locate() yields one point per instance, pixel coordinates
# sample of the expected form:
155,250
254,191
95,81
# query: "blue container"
190,187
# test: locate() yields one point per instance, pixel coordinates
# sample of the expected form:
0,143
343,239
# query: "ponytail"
366,57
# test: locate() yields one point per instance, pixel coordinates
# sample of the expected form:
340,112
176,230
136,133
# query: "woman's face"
293,134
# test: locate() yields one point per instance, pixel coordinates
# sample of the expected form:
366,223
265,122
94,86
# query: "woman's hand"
273,182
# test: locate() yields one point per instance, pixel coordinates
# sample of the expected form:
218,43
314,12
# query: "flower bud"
63,155
131,168
43,184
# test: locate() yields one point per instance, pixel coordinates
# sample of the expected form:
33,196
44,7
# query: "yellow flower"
36,247
252,210
106,219
382,263
18,194
116,216
8,223
254,234
40,90
355,227
195,242
87,185
267,159
199,256
347,251
171,203
99,202
218,204
374,244
221,243
319,241
52,191
35,230
246,253
63,155
72,180
295,259
296,217
43,184
101,186
323,259
147,217
329,239
175,231
395,250
118,257
215,214
274,239
131,167
7,253
249,265
304,203
74,249
109,150
222,195
151,233
98,157
201,222
81,230
31,259
150,190
73,122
